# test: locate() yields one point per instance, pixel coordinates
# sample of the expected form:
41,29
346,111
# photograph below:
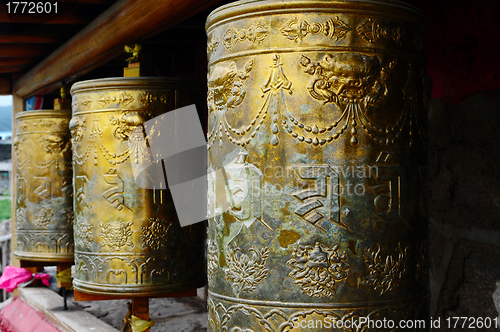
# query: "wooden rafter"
69,18
124,22
30,37
22,50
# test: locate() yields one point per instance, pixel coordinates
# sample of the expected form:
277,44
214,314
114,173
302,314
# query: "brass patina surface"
317,112
44,208
128,240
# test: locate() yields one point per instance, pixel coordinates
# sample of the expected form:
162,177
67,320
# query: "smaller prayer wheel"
43,194
128,239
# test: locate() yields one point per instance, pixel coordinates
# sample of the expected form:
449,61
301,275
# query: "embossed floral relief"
21,218
116,234
240,317
44,216
155,236
212,45
212,260
245,271
67,218
84,233
317,269
386,271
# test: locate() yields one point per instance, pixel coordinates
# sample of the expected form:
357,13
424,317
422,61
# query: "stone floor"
187,314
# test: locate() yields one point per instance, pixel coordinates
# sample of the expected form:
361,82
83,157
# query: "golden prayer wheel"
317,166
43,198
128,240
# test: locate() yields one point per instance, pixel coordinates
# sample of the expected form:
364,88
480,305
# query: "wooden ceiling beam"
67,18
90,2
17,61
11,69
124,22
35,37
23,50
5,86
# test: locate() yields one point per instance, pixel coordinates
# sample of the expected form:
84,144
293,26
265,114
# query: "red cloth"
17,316
13,276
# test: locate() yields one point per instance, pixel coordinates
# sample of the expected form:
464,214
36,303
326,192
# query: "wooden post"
61,267
140,308
17,107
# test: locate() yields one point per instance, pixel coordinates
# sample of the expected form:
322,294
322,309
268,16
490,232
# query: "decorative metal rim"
132,83
248,8
135,291
44,114
40,257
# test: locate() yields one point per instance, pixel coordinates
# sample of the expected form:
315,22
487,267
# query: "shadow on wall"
464,189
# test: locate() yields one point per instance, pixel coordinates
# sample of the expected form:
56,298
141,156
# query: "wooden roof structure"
41,52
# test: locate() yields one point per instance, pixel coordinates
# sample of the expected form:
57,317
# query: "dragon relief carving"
155,236
317,269
56,144
333,28
225,92
386,271
354,83
76,128
115,234
346,77
127,122
246,271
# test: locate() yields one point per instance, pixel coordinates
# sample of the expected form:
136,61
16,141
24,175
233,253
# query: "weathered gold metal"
128,240
44,209
317,112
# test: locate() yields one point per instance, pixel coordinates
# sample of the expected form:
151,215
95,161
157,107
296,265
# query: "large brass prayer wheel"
128,240
317,166
43,198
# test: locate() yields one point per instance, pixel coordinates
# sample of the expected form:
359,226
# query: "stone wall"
464,197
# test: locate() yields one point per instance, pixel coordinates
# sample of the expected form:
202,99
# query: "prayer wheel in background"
128,240
317,117
44,207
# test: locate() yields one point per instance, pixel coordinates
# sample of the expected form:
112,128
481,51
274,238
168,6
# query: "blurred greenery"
5,209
